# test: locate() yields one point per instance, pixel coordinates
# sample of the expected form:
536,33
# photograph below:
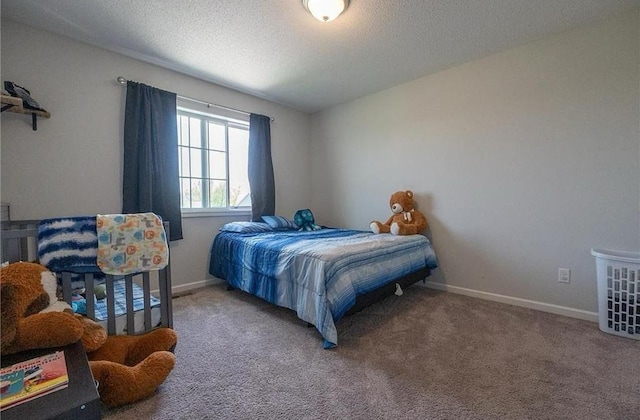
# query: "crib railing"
19,243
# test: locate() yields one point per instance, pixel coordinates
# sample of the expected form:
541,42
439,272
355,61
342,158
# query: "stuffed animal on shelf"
127,368
406,220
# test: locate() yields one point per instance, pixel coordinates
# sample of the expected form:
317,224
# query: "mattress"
138,319
318,274
120,307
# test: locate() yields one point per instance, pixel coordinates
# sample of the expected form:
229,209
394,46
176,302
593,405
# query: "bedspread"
318,274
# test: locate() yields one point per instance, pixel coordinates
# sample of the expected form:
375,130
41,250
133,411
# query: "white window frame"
227,121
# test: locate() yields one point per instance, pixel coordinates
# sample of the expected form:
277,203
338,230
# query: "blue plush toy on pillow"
305,221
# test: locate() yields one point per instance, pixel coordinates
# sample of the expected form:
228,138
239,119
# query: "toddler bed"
121,304
322,274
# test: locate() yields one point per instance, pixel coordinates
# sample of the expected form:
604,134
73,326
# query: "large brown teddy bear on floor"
406,220
127,368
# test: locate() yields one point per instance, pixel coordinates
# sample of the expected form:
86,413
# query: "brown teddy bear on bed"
406,219
127,368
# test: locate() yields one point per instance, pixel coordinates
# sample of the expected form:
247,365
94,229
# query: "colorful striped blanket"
69,244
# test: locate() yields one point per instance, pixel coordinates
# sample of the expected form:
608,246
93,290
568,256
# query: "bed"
323,275
130,305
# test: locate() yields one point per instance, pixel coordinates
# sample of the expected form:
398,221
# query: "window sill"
188,213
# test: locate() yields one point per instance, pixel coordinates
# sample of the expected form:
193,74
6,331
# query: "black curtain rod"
124,81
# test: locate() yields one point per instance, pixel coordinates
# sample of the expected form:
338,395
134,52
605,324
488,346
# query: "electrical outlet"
564,275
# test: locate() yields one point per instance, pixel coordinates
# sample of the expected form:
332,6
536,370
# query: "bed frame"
381,293
374,296
19,243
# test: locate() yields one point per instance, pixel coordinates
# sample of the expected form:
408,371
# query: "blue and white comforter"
317,274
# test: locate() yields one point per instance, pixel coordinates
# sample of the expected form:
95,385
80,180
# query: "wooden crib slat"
11,249
90,295
66,287
146,288
164,279
111,306
25,234
19,243
30,248
128,287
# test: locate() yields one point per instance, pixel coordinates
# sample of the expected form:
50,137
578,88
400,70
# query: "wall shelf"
13,104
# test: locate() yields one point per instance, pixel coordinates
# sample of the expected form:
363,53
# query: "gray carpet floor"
424,355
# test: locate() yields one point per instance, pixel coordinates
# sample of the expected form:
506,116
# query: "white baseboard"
181,288
525,303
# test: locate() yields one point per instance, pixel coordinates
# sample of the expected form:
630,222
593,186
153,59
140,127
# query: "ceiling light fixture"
325,10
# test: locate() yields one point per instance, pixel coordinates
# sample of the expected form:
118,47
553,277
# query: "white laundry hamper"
618,277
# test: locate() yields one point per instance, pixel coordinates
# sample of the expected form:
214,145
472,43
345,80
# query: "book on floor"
33,378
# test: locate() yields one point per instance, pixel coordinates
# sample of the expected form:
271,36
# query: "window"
214,154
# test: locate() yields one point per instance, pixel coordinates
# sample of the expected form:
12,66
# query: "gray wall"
522,161
73,164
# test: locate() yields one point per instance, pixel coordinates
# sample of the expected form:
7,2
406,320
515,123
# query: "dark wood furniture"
80,400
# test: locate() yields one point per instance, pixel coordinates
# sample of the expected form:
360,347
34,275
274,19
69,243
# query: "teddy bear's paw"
157,366
374,227
160,339
119,385
395,228
94,335
44,330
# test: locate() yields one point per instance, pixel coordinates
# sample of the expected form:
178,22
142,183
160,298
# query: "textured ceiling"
274,49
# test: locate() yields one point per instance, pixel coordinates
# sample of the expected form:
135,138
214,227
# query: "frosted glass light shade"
325,10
